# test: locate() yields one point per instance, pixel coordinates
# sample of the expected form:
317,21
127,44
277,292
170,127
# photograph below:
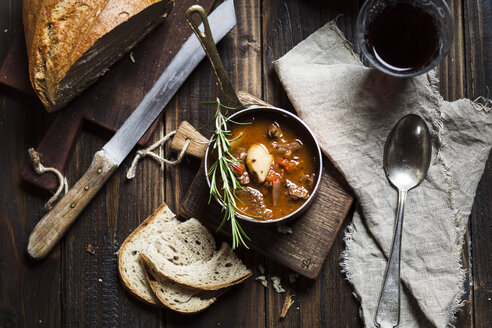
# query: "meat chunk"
286,149
244,178
296,192
239,153
257,202
308,180
268,214
274,131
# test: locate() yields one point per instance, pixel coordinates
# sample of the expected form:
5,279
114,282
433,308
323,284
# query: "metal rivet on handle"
73,205
99,171
86,187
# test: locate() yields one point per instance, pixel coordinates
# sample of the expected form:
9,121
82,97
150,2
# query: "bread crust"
154,300
155,288
59,32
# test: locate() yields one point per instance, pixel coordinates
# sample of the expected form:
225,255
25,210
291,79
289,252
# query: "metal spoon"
407,156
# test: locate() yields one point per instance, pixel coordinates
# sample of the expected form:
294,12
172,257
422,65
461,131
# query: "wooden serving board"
108,102
305,250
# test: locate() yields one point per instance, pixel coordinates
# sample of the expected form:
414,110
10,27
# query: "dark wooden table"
72,288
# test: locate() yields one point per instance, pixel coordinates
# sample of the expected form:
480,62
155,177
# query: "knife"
56,222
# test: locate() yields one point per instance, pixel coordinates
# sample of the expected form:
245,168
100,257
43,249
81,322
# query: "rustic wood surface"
74,288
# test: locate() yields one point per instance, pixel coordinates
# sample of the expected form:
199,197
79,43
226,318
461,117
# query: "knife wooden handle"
56,222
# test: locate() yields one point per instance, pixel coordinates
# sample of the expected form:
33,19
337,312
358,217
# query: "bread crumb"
262,280
261,268
5,31
293,277
100,280
132,59
90,249
287,304
276,284
282,228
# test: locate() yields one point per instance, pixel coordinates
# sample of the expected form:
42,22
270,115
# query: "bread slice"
186,243
71,43
131,272
176,297
222,270
186,247
180,243
189,242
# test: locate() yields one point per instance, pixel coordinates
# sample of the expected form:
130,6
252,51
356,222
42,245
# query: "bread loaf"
70,43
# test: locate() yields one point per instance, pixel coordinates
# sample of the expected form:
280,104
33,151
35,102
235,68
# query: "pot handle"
207,41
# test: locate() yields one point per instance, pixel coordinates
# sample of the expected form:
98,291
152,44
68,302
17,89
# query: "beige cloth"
352,109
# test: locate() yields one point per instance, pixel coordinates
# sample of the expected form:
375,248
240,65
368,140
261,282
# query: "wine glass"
405,37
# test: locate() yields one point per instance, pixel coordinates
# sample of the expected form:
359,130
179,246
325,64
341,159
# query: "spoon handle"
388,312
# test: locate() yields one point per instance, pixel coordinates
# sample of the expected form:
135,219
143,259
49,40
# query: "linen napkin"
352,109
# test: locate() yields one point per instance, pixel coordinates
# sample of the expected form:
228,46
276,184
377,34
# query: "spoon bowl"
407,157
407,153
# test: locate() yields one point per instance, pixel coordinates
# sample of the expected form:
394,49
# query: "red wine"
403,37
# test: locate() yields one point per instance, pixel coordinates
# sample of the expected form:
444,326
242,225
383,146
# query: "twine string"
149,152
41,169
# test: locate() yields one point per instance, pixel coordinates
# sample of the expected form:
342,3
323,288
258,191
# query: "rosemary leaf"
221,168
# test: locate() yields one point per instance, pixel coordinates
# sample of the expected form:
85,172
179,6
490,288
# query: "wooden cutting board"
305,250
108,102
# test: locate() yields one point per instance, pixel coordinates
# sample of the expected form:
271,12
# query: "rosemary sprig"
221,144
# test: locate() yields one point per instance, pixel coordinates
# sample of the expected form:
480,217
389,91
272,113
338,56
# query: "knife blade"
56,222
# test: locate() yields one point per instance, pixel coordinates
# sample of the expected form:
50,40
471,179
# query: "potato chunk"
259,161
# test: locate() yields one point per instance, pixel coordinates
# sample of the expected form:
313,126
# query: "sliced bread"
187,243
180,243
222,270
131,272
187,250
176,297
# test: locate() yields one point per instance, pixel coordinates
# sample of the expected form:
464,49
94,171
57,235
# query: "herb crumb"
262,280
276,284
